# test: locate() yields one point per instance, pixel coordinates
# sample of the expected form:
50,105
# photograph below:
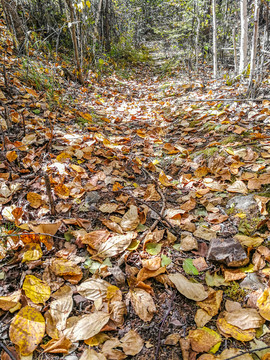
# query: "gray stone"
244,203
227,251
92,197
252,282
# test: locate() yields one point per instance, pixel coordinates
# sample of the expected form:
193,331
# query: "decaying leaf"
132,343
27,329
91,354
231,330
204,339
244,318
212,303
263,304
86,326
36,289
131,219
116,244
143,304
202,318
93,289
189,289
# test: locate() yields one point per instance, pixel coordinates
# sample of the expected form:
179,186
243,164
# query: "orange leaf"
11,156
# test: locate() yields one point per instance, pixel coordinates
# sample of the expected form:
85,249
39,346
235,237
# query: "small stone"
243,203
92,197
227,251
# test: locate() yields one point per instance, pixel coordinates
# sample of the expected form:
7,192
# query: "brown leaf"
143,304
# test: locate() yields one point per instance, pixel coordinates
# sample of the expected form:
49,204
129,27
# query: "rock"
252,282
92,197
227,251
244,203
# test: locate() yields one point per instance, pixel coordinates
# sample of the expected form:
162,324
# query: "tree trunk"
14,23
197,35
254,45
74,40
214,40
234,53
244,36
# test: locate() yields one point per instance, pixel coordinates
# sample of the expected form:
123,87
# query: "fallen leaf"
244,318
190,290
93,289
212,303
27,330
36,290
143,304
87,326
116,244
203,340
91,354
130,220
238,187
233,331
132,343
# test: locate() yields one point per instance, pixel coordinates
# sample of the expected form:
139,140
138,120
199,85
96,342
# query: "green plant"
235,292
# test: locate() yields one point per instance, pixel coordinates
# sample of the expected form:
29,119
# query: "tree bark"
244,36
254,45
75,43
14,23
214,40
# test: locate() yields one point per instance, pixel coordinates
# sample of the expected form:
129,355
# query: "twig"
162,324
211,100
23,121
248,352
3,139
49,194
7,351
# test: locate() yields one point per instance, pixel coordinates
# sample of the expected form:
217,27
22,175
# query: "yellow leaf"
164,180
34,199
62,191
234,331
263,304
204,340
36,289
33,252
88,3
11,156
27,329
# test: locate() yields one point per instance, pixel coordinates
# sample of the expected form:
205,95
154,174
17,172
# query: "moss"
229,139
235,292
248,226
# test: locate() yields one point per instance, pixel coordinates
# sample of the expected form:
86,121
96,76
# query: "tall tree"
214,39
244,36
75,41
254,45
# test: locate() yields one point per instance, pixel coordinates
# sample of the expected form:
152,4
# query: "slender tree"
254,45
214,39
244,36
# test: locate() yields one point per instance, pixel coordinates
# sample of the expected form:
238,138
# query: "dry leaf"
131,219
36,289
34,199
91,354
212,304
116,244
203,340
244,318
86,326
231,330
93,289
190,290
132,343
263,304
27,329
238,187
143,304
202,318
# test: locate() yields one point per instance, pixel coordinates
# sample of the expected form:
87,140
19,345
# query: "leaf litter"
141,231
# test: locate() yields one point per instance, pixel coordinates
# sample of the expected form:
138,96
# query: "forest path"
131,179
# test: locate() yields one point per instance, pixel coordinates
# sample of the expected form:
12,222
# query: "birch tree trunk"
214,40
244,36
197,35
254,45
234,53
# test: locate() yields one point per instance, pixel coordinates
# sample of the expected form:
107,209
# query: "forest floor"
134,214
